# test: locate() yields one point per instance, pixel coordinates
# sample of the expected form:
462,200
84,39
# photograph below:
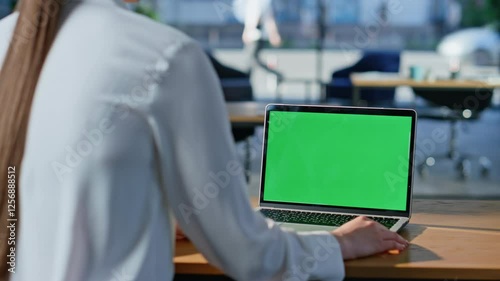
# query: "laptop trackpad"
305,227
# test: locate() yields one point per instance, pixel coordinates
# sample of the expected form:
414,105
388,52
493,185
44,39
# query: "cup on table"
417,72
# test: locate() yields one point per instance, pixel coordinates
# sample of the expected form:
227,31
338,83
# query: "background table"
449,240
372,80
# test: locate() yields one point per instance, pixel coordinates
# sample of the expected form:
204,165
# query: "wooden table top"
384,80
246,112
450,239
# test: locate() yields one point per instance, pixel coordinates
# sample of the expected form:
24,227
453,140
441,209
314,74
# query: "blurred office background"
322,36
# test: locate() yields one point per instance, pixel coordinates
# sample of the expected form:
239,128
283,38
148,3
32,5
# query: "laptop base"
311,227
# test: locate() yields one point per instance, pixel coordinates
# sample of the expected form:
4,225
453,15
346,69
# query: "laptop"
325,165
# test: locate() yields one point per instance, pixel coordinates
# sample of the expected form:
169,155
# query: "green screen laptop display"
338,159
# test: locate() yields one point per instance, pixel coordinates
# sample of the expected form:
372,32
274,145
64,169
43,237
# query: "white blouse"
128,130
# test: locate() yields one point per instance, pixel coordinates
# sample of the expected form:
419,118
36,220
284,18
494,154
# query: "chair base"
463,164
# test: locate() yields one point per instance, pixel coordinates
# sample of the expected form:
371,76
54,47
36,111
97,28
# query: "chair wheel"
485,172
423,170
464,167
485,166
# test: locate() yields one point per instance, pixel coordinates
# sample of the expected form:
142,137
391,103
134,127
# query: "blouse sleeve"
205,185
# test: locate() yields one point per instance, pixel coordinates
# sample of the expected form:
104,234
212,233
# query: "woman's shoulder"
9,21
136,32
151,30
120,31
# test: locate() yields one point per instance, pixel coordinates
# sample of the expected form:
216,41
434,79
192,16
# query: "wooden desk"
389,81
249,114
246,114
449,240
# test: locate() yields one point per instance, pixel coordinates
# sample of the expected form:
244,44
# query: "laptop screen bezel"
339,110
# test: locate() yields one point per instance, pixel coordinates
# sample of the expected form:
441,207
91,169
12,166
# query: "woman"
120,126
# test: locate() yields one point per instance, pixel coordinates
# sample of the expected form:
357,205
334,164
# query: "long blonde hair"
34,33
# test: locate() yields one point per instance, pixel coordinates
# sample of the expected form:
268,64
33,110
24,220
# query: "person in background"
259,27
113,127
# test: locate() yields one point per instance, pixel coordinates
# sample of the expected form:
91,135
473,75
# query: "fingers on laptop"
389,235
391,241
388,240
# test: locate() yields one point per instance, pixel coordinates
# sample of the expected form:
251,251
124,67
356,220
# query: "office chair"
340,88
236,87
455,106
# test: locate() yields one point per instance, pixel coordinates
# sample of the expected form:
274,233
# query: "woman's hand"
363,237
179,234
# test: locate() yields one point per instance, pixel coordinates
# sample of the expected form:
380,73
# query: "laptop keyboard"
328,219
